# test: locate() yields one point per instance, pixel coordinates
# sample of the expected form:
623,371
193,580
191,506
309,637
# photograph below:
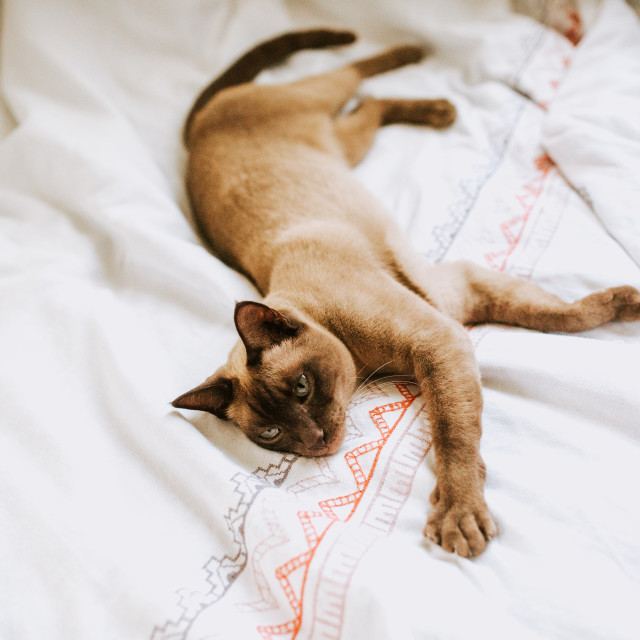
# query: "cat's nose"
315,441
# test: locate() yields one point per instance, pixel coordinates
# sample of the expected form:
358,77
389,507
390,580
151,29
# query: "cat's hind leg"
438,112
356,130
390,59
331,91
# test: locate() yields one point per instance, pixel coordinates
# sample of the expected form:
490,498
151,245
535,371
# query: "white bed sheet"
122,518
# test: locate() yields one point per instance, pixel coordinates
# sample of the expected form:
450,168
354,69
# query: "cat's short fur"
345,294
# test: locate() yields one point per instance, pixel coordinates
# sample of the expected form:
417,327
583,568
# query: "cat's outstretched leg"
356,130
445,367
472,294
437,350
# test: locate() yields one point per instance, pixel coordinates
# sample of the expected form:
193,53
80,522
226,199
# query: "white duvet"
121,518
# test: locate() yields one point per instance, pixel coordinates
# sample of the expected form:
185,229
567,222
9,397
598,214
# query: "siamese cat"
345,295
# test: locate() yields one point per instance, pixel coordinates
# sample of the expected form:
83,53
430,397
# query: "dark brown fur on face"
270,186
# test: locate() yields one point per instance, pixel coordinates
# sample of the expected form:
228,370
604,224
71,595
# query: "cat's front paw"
464,528
626,302
617,303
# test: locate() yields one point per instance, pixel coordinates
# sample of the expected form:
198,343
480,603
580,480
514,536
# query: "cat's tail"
263,55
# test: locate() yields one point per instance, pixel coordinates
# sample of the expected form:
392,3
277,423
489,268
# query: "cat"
345,295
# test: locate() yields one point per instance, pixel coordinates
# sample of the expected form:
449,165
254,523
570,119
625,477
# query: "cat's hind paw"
438,113
463,528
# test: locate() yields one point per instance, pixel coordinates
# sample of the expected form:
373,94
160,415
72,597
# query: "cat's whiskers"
396,378
361,387
359,371
369,376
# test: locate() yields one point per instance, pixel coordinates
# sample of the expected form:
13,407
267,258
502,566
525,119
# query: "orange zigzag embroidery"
513,229
307,518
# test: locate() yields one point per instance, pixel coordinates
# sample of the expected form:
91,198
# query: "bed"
121,517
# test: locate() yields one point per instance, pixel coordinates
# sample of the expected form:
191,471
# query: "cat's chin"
322,453
329,450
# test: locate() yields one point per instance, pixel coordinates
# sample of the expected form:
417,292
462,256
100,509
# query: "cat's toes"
626,302
439,113
620,304
465,529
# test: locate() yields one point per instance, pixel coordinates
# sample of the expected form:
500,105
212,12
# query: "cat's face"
287,383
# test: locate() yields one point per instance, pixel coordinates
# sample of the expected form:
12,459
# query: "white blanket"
122,518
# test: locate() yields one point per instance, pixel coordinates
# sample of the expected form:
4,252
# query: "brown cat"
346,295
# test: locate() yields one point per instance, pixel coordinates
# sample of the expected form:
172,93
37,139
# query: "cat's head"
286,384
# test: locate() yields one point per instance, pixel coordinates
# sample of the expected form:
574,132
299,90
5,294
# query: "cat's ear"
213,395
261,327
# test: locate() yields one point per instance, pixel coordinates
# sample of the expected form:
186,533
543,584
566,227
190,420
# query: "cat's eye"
270,434
302,387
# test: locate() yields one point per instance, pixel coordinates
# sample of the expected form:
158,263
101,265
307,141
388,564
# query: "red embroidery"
315,524
574,31
513,228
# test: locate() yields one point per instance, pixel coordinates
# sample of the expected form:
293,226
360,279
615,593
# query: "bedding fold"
592,130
